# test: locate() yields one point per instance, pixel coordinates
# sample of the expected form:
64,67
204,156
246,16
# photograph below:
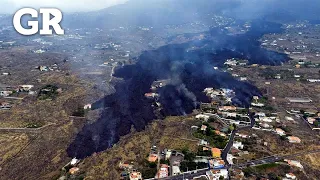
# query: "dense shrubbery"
33,125
269,73
149,170
210,135
187,165
148,173
80,112
201,152
48,92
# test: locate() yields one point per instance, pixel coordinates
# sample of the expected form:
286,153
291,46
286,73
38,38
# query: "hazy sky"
10,6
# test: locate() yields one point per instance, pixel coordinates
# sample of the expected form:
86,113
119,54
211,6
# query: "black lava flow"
189,67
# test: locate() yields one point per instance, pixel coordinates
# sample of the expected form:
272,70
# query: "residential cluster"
10,93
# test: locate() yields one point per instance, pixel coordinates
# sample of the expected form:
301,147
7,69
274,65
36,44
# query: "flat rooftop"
299,100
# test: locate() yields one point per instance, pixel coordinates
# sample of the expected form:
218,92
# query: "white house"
216,174
314,80
5,93
294,163
289,118
74,161
293,139
265,125
202,116
280,132
265,119
257,104
291,176
175,170
311,120
261,114
203,142
237,145
87,106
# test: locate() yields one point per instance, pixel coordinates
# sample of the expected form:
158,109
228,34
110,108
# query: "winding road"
265,160
233,133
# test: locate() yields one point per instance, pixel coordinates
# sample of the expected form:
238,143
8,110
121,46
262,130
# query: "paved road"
25,130
217,117
266,160
274,158
230,143
186,175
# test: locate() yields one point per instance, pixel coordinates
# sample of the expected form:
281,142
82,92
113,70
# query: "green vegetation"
188,163
316,123
272,170
273,176
263,99
269,73
210,136
201,152
34,125
148,173
209,109
189,166
80,112
242,111
231,128
162,161
259,169
266,166
188,156
149,170
211,119
286,129
269,108
239,118
151,164
49,92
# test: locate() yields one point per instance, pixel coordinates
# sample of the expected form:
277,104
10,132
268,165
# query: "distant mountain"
157,13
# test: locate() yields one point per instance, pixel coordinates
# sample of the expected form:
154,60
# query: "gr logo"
47,21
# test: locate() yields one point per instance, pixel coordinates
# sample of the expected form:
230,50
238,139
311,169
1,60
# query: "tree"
162,161
283,138
80,112
231,128
152,165
211,119
316,123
